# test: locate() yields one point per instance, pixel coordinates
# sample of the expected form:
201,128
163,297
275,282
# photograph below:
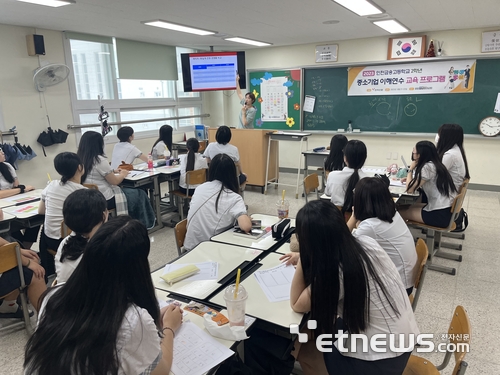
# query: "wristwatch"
22,187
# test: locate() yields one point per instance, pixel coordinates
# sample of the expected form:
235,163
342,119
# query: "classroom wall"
481,153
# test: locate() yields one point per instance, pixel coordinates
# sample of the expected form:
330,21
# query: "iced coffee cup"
235,304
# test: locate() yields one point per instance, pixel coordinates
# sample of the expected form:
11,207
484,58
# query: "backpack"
461,222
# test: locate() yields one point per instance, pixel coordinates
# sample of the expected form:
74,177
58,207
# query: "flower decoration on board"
296,106
256,81
255,93
267,76
290,122
288,84
260,100
289,94
258,123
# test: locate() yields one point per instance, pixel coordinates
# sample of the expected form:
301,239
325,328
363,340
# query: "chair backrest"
196,177
422,254
8,257
311,183
180,234
456,206
91,186
65,230
459,333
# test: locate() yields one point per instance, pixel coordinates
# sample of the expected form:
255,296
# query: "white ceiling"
280,22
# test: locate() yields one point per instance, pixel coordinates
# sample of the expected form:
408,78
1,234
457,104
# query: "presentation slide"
213,71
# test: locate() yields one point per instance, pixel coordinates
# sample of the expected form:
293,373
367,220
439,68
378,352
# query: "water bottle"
349,127
150,162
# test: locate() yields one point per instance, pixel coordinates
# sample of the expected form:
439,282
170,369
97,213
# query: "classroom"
295,30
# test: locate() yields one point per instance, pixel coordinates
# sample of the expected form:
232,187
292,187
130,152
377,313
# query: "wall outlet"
389,154
394,156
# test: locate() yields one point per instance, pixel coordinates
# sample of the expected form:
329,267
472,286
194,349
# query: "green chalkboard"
278,98
398,113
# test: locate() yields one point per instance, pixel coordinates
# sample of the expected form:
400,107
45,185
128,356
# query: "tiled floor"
473,286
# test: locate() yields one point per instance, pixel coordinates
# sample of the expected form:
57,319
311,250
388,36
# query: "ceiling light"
177,27
248,41
392,26
49,3
360,7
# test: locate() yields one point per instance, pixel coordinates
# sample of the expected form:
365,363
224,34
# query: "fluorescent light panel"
237,39
392,26
360,7
178,27
49,3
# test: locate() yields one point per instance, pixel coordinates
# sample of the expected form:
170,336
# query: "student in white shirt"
335,159
162,148
350,284
124,151
9,186
222,146
340,184
374,214
450,148
84,212
432,176
105,319
70,167
192,161
97,169
216,204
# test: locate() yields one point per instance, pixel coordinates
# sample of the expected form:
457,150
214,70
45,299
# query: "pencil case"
180,274
319,149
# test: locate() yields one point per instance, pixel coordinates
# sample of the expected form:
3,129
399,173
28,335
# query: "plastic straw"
237,283
48,175
283,197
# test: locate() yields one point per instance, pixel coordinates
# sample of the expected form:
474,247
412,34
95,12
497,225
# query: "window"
95,77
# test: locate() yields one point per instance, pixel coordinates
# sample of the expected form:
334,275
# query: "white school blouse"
203,221
382,318
65,268
454,162
436,200
216,148
396,239
124,151
4,184
97,175
161,149
337,183
199,163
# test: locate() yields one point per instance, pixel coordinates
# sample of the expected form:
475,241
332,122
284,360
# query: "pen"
25,202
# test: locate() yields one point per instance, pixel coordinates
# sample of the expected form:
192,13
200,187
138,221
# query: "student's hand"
413,165
237,77
171,316
403,180
290,258
30,254
123,172
37,269
29,188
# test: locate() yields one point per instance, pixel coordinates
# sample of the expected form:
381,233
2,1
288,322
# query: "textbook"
255,233
256,224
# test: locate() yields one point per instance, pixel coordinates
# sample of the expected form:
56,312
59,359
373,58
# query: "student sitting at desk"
432,176
216,204
105,319
162,148
125,151
222,146
350,284
97,169
340,184
335,160
374,214
70,167
84,212
9,186
192,161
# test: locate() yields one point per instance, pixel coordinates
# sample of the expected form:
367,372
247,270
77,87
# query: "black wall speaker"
35,44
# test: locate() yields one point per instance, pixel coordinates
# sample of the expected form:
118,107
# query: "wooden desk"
258,306
253,149
229,258
265,243
5,222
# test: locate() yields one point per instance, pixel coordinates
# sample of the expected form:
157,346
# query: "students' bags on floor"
462,221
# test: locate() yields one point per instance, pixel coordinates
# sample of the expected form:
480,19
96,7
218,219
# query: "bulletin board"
277,98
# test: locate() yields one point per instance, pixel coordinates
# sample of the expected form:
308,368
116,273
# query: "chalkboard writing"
398,113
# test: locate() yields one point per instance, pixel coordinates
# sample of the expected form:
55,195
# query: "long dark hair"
78,331
326,248
427,153
165,136
90,148
223,169
82,210
335,160
355,154
373,199
5,171
449,136
66,164
193,146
